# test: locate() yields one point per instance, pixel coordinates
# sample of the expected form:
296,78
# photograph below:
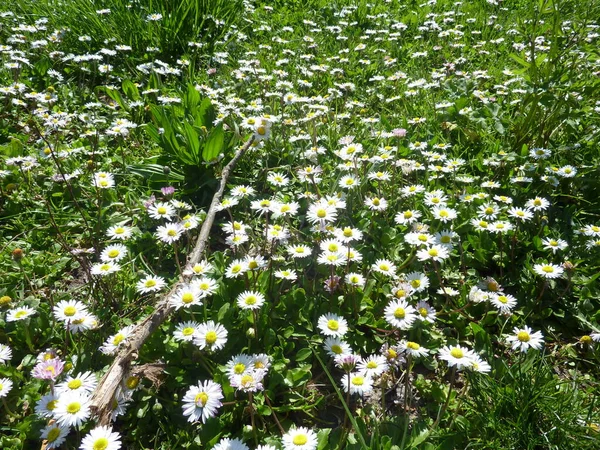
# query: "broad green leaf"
214,144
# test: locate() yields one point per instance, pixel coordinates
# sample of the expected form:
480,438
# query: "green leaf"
192,141
130,90
214,144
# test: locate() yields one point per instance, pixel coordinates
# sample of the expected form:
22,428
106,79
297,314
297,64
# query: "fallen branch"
104,395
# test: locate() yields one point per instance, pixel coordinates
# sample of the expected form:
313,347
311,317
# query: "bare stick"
102,398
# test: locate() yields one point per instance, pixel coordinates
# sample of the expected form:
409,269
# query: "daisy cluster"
393,199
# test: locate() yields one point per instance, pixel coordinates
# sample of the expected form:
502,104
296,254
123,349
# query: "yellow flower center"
53,434
246,380
105,267
321,213
413,345
73,408
489,210
376,201
384,267
100,444
423,312
201,398
523,336
74,384
70,311
336,349
415,283
188,331
118,339
150,283
250,300
172,232
432,252
548,269
211,337
132,382
300,439
371,365
399,313
51,405
20,314
161,210
239,368
358,380
333,325
457,353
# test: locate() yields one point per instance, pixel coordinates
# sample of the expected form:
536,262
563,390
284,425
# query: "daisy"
444,214
417,280
286,274
150,284
413,349
262,206
355,279
5,353
335,347
242,191
347,234
46,405
48,369
236,268
400,314
103,438
186,296
479,365
321,213
425,312
457,356
538,204
204,286
201,268
348,182
21,313
376,203
501,226
111,345
211,336
522,214
300,439
445,238
435,253
504,302
373,366
169,233
299,251
113,253
189,223
250,300
5,386
255,262
407,217
72,409
239,365
385,267
186,331
54,435
548,270
554,244
277,179
230,444
332,325
105,268
201,402
84,383
119,232
419,238
250,381
480,224
68,310
524,338
161,211
357,383
338,258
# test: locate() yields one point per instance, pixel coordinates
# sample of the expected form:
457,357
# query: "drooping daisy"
201,402
201,268
524,338
286,274
299,439
250,300
150,284
479,365
113,253
101,438
54,435
457,356
400,314
548,270
72,409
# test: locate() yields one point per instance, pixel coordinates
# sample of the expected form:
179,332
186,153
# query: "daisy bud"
5,300
251,333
